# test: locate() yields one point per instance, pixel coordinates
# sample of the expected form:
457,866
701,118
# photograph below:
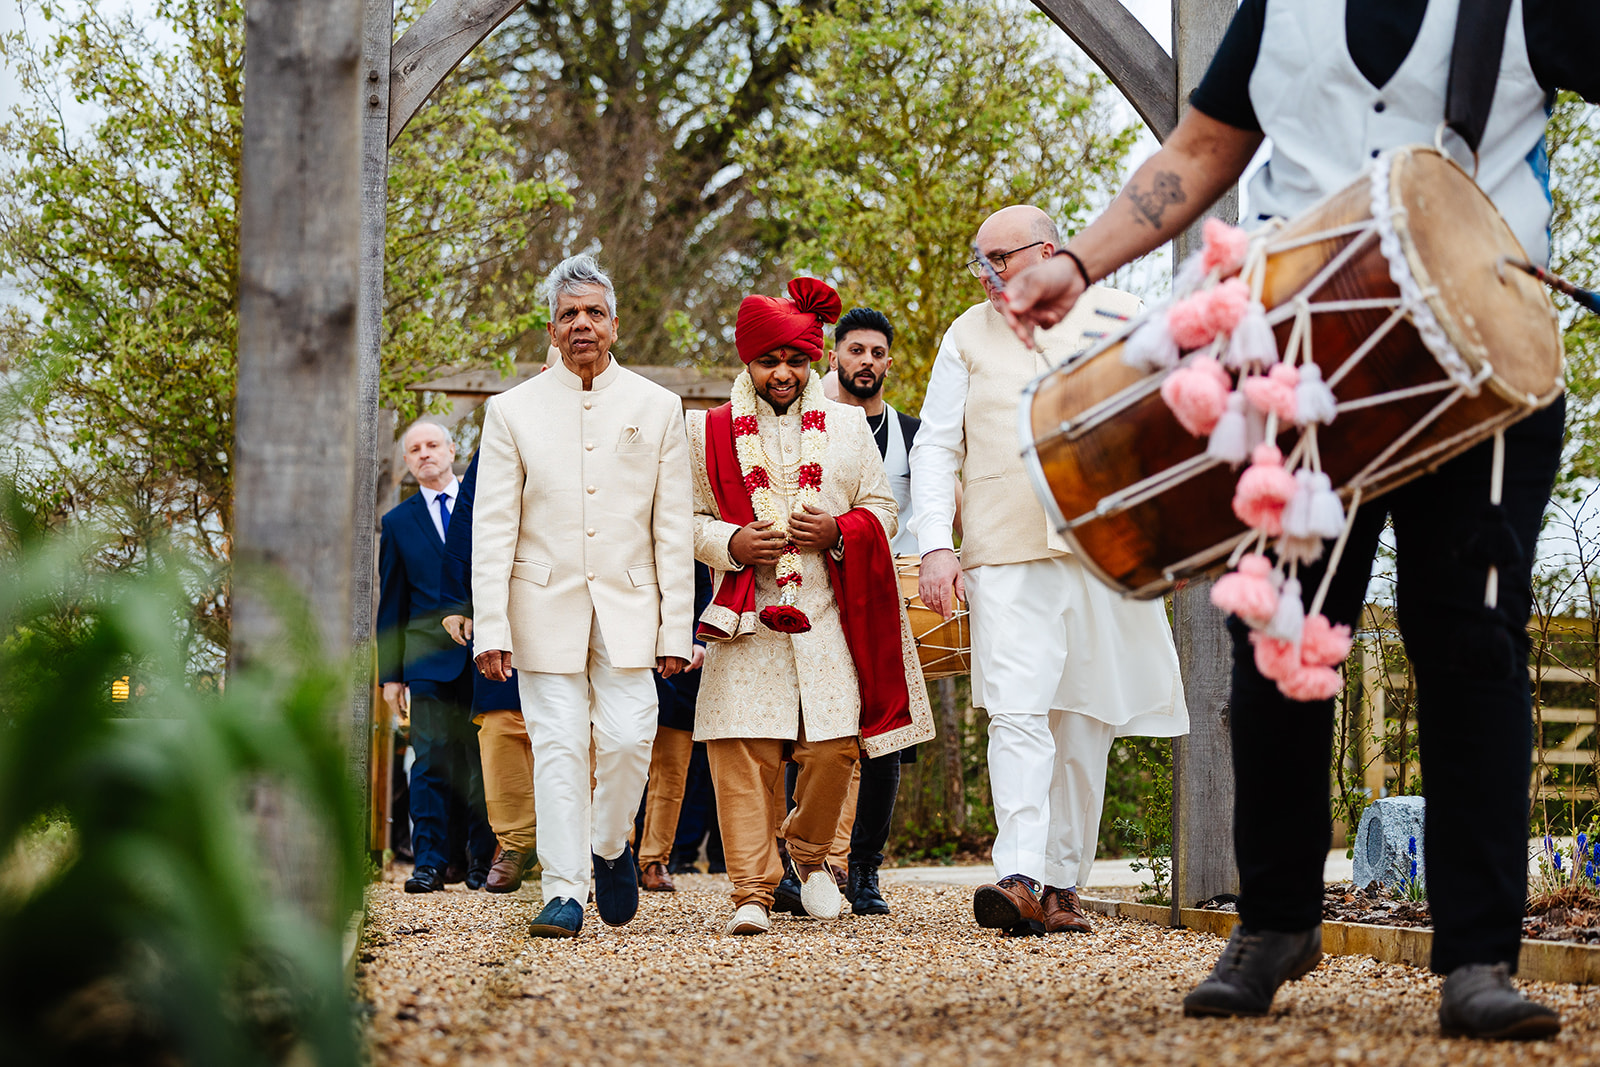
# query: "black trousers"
1473,706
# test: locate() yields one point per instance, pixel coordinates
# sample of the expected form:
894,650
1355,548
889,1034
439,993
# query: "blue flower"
1558,862
1583,844
1588,870
1413,872
1411,846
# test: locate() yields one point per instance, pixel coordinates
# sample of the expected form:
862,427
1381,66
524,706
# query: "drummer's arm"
936,456
1200,161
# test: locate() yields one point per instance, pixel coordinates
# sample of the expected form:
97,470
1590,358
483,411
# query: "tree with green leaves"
118,225
915,120
637,107
1573,141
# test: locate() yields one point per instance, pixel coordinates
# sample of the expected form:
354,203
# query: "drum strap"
1475,67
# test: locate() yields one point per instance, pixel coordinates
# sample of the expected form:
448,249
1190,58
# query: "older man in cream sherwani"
790,494
1061,663
582,566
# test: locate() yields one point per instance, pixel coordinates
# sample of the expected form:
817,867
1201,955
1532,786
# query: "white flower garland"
760,473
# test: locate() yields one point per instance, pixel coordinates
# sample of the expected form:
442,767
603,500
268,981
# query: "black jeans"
880,781
1473,708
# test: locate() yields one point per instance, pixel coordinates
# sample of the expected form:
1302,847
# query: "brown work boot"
1011,904
1063,912
508,871
655,879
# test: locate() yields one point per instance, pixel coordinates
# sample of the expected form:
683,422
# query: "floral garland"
759,476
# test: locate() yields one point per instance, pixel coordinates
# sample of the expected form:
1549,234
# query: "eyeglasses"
975,268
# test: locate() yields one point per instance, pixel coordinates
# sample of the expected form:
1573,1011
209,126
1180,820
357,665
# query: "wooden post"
377,42
1202,763
955,783
299,214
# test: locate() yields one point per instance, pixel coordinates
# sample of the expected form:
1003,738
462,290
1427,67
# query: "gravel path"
452,978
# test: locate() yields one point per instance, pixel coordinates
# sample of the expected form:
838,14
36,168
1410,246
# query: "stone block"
1383,843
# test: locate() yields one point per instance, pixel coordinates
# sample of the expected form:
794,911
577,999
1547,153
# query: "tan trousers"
748,776
663,794
839,853
507,778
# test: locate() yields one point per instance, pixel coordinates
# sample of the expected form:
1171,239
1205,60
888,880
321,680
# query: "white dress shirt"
937,456
431,498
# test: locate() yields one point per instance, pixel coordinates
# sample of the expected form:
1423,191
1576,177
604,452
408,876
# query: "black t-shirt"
1562,35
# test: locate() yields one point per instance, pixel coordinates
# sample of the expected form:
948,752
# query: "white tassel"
1151,347
1303,550
1314,401
1252,341
1326,513
1189,276
1297,513
1255,422
1228,440
1290,618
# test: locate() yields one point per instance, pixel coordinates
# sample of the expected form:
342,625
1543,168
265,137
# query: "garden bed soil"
1556,919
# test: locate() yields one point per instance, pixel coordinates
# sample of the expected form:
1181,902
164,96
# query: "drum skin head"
1453,238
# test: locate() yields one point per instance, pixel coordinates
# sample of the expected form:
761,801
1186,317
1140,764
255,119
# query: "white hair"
435,423
572,274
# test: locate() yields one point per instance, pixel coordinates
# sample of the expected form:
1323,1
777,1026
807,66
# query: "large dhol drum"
1428,344
943,645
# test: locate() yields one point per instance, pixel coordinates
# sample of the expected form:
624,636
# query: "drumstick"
992,276
1587,297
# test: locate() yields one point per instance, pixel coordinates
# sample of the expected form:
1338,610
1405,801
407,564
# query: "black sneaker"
786,898
1478,1001
616,887
1251,969
862,890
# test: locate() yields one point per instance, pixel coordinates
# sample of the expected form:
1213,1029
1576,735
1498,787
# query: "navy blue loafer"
616,887
562,917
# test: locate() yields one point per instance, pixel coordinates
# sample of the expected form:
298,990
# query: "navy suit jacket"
412,646
456,584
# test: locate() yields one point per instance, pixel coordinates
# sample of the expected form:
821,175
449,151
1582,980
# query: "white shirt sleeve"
939,451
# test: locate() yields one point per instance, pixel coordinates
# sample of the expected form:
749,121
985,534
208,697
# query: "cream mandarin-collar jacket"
761,683
583,512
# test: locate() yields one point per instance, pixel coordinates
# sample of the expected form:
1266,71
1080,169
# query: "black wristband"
1083,272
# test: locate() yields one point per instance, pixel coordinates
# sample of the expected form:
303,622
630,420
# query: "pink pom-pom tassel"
1248,591
1275,659
1263,491
1289,617
1252,342
1322,644
1314,401
1270,397
1226,305
1311,683
1229,440
1224,246
1151,347
1189,321
1197,395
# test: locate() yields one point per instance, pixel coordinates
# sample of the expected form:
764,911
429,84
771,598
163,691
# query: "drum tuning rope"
1586,297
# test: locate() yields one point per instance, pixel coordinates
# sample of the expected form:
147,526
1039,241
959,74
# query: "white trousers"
1047,772
561,721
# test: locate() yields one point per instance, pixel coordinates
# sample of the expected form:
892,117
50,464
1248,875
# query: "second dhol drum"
943,645
1397,287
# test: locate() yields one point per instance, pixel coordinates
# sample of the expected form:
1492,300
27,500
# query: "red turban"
767,323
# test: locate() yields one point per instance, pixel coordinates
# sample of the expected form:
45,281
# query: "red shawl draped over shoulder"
864,586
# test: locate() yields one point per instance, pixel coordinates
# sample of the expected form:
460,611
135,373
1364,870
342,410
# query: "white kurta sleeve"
939,451
673,519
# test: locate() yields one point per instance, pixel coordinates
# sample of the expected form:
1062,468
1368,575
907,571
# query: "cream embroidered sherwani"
761,683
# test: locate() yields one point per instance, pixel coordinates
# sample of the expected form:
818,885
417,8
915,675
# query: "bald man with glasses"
1062,664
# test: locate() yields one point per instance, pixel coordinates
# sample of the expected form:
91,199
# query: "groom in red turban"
808,648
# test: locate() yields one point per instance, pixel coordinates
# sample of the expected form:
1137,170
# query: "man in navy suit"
419,665
507,755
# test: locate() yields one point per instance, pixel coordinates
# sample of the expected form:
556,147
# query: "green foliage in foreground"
136,919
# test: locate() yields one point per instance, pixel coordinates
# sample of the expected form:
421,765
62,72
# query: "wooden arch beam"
434,46
1121,46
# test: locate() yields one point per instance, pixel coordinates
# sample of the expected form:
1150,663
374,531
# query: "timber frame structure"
398,76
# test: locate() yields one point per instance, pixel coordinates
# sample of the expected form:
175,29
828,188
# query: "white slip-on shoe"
750,919
820,895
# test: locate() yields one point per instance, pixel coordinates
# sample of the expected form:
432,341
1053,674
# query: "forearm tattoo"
1166,189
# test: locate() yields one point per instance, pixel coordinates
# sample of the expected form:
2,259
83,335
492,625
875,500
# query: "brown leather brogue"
655,879
1063,912
1011,904
508,871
